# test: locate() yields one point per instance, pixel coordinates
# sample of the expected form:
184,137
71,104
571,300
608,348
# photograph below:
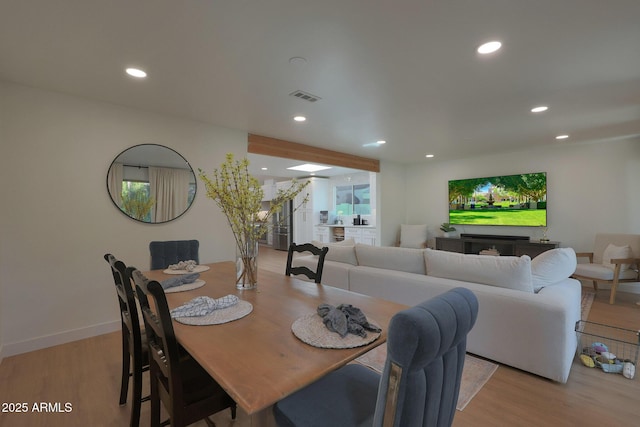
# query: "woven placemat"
186,287
197,269
310,330
224,315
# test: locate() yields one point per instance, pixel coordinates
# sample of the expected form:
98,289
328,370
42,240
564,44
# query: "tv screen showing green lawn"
513,200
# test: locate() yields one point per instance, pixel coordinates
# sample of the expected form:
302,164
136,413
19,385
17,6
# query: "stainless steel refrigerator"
283,227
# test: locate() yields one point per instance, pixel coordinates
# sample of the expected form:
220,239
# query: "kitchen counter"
346,225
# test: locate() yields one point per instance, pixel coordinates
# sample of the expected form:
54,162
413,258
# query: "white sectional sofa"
527,308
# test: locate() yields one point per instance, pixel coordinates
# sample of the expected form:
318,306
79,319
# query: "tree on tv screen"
532,186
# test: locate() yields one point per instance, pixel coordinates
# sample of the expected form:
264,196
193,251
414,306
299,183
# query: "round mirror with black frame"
151,183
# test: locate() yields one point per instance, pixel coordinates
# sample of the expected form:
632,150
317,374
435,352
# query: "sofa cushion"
391,258
413,236
503,271
552,267
339,252
612,252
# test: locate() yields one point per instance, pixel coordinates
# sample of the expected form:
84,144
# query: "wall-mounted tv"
510,200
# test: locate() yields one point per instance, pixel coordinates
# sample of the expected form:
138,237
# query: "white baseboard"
11,349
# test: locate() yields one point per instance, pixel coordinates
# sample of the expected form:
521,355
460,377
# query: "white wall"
591,188
3,184
58,221
392,202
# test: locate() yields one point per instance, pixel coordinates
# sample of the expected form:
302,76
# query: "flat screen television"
509,200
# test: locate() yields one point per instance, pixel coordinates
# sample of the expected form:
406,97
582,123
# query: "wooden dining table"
257,359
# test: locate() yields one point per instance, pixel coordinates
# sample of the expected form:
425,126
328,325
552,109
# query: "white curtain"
170,189
114,183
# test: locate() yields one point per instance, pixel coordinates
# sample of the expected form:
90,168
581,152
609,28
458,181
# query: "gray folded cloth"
188,265
345,319
180,280
202,306
335,320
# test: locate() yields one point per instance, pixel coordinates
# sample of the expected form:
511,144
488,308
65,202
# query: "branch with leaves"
239,195
137,204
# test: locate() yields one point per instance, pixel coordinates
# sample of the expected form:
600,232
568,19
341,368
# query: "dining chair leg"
126,361
233,411
595,285
136,398
155,402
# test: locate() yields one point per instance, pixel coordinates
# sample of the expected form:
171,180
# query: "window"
353,199
136,200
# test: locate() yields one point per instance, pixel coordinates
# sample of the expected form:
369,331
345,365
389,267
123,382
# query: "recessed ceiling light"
264,169
300,118
381,142
562,136
428,156
308,167
136,72
489,47
539,109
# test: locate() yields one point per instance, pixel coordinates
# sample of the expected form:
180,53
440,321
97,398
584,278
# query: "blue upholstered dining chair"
420,382
163,254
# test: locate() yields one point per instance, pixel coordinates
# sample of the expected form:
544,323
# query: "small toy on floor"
598,355
629,370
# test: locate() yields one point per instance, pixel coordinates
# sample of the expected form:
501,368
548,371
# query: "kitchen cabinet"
366,236
321,234
307,215
337,233
268,192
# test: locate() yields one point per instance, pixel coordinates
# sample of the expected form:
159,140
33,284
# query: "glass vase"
247,265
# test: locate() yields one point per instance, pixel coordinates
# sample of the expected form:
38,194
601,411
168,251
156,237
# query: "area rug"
475,374
585,306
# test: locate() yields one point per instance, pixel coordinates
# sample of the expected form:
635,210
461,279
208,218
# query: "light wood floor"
86,374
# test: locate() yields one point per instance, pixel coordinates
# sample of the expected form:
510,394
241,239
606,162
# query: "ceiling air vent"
304,95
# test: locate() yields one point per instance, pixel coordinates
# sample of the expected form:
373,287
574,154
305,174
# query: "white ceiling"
403,71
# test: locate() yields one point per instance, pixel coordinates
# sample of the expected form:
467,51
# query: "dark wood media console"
505,245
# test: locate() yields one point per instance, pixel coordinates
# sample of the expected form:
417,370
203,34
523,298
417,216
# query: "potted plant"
448,229
239,195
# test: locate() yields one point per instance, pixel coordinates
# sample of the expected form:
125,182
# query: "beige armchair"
413,236
615,259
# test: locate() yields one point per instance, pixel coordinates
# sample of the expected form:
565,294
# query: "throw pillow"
612,252
413,236
509,272
552,266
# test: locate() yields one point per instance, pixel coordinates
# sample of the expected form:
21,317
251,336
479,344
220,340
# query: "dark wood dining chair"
187,391
165,253
134,342
306,247
419,385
